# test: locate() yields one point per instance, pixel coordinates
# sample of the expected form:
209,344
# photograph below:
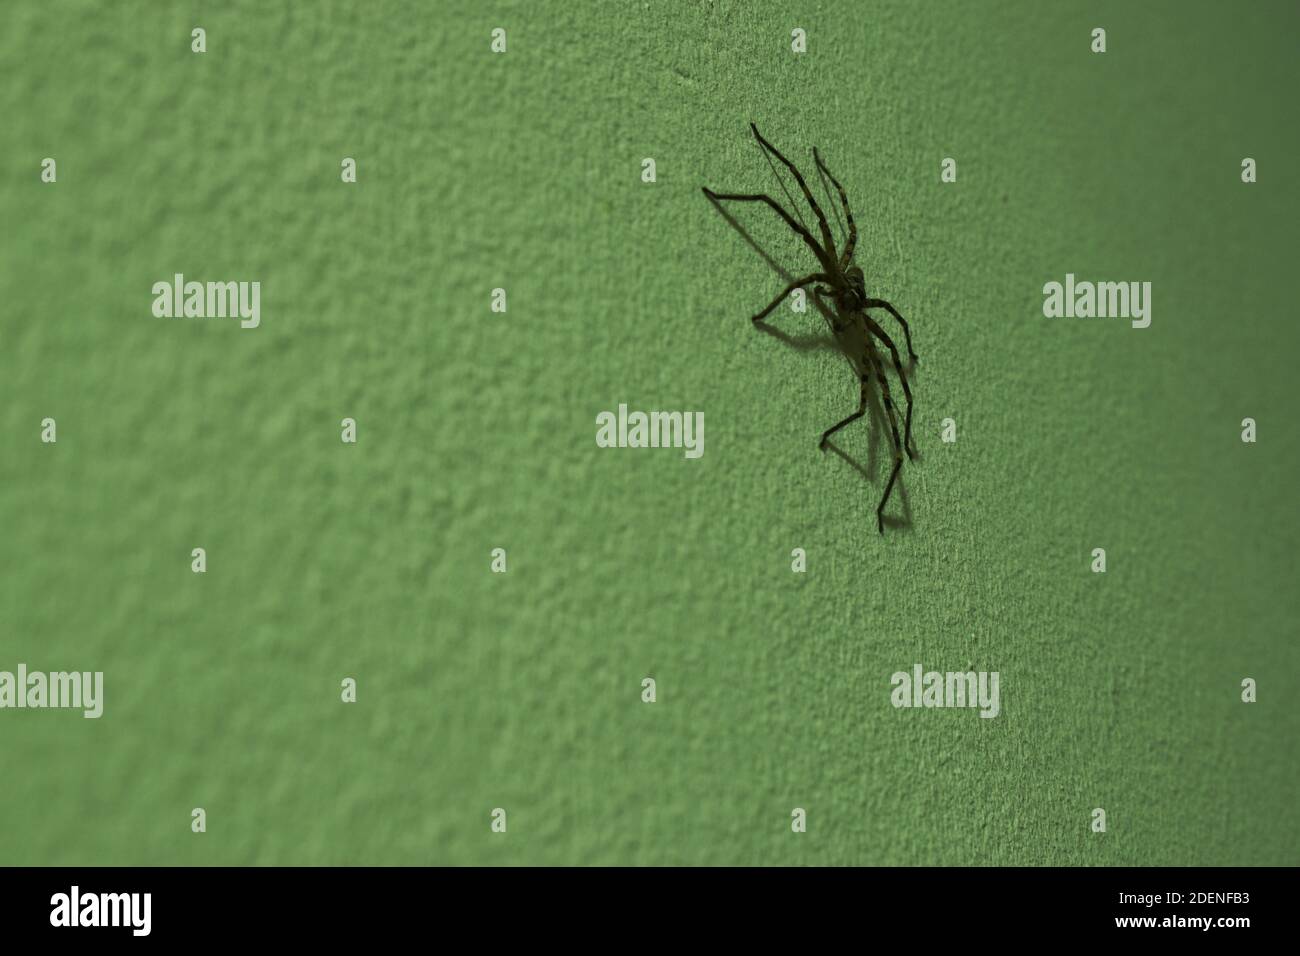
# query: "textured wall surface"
476,430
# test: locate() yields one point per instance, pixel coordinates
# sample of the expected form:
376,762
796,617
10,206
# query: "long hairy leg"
796,284
803,233
785,191
840,233
907,333
827,240
879,333
874,359
862,410
848,213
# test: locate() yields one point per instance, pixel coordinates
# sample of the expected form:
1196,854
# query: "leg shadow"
878,421
749,240
824,342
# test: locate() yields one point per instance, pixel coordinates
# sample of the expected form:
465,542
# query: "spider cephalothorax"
839,289
852,296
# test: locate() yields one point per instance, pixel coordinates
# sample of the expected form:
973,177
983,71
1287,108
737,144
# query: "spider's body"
853,296
840,290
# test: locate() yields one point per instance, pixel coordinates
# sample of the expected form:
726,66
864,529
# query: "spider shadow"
877,420
800,343
824,342
749,240
872,471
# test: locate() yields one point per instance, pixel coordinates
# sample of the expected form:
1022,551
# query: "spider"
841,284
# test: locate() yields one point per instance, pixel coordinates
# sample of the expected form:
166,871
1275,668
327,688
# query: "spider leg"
797,283
835,210
893,428
848,213
807,193
882,304
803,233
880,333
826,305
862,410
